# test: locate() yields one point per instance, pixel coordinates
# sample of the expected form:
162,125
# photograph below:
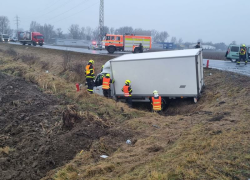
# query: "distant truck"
128,42
174,74
31,38
4,38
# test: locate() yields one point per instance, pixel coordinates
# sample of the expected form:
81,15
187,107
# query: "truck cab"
37,39
4,38
113,43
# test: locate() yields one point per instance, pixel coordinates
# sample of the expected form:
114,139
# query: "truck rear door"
234,52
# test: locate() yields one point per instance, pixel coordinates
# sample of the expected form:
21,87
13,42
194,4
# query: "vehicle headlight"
37,42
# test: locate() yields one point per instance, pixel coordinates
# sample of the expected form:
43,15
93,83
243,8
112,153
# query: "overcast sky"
210,20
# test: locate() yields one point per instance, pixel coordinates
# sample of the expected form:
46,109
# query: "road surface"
215,64
229,66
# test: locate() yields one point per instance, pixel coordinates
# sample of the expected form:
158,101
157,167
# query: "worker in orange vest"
156,102
106,80
90,75
128,92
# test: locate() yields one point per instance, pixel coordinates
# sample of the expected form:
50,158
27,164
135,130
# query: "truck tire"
111,49
29,44
41,45
24,44
34,44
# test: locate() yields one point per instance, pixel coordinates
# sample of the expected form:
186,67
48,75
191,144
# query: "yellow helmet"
127,82
243,45
91,61
107,75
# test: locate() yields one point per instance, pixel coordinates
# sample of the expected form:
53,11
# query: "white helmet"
155,93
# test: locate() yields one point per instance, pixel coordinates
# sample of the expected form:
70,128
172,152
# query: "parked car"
233,51
94,45
13,39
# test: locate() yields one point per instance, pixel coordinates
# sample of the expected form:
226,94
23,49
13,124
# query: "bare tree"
82,33
89,33
124,30
34,26
155,35
173,40
180,41
112,30
75,31
48,32
4,24
163,36
59,33
233,42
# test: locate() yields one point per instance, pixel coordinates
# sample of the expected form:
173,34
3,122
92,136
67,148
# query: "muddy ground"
31,126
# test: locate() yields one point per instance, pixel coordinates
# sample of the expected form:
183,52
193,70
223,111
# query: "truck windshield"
39,37
5,36
107,37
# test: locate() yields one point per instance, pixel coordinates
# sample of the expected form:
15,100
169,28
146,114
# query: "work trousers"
129,101
242,57
107,93
90,83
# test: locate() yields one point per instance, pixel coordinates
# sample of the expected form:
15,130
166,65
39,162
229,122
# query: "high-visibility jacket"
89,71
242,51
127,91
156,103
105,83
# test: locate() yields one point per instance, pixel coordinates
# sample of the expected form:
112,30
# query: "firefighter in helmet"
242,55
156,102
90,75
106,81
127,90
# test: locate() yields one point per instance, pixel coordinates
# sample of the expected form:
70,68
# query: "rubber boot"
238,63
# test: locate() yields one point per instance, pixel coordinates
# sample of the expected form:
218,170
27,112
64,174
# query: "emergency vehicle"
128,42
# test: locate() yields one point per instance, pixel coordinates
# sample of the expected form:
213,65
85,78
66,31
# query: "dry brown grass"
5,150
207,140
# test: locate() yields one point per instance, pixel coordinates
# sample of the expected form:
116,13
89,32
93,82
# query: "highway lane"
229,66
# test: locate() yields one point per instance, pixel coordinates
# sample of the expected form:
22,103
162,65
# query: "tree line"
88,33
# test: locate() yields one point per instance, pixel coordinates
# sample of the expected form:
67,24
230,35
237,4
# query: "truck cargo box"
171,73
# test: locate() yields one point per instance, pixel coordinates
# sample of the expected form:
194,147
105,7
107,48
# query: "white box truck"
174,74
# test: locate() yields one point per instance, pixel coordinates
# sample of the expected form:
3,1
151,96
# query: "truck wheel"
111,49
34,44
41,45
29,44
136,50
24,44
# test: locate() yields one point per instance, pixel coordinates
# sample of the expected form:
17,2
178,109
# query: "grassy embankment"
210,141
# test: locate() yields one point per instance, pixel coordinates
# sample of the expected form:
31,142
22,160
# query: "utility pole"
101,21
17,23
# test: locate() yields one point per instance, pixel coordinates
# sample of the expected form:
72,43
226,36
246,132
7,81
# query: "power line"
47,6
55,8
17,24
69,10
101,21
76,13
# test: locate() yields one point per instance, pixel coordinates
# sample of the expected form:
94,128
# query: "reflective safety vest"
156,103
126,91
88,71
105,83
242,51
